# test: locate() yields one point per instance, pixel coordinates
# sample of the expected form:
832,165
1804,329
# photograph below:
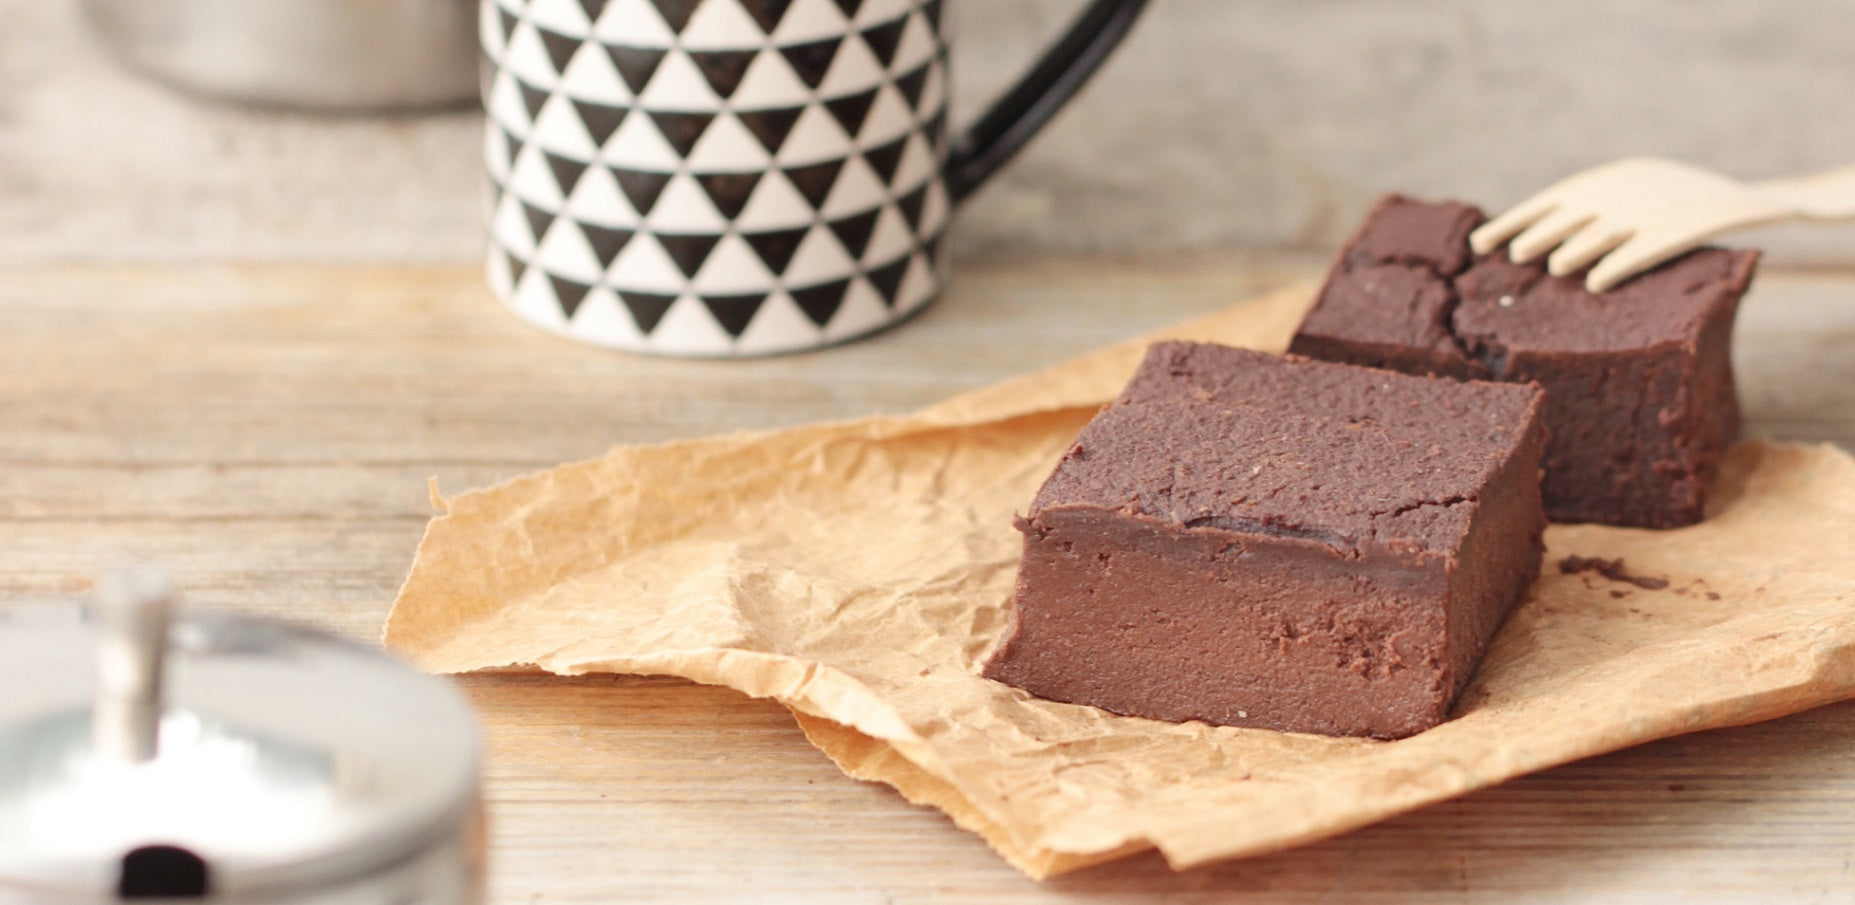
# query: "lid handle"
134,607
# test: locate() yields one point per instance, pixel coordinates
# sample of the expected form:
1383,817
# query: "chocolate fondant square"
1253,540
1640,403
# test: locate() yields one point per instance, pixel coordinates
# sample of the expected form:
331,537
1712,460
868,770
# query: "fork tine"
1681,231
1545,233
1583,247
1638,254
1490,235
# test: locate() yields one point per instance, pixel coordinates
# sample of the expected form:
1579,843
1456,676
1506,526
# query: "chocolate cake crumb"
1613,569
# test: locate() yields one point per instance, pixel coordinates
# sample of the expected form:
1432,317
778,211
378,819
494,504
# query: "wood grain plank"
657,789
219,364
336,574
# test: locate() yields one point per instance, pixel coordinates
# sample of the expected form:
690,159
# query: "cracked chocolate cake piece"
1640,404
1253,540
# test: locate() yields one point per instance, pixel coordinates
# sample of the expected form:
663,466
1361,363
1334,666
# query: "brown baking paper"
858,573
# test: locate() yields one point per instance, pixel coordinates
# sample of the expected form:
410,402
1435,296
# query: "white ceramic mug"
738,177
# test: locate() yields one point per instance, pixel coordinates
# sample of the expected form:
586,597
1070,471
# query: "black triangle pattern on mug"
606,242
570,293
888,278
734,312
723,69
910,205
811,61
641,187
676,13
635,65
767,12
592,8
771,126
932,252
911,84
559,47
855,231
566,170
532,98
688,251
776,248
681,130
815,181
821,302
936,131
729,191
507,20
511,144
821,226
885,159
851,109
601,120
883,39
538,220
647,308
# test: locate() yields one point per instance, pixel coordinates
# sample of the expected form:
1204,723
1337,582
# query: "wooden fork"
1637,212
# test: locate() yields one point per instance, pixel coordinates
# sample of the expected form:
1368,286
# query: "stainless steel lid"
317,54
135,749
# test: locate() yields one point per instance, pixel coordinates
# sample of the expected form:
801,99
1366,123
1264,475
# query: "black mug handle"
1010,122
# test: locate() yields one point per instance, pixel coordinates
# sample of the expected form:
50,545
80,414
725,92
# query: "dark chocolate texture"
1640,404
1252,540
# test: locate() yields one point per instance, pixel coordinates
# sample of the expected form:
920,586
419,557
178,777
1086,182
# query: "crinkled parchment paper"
858,572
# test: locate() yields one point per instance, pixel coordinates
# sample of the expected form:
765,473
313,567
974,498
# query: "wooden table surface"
266,432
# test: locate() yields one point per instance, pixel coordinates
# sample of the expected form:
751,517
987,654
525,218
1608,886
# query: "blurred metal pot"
321,54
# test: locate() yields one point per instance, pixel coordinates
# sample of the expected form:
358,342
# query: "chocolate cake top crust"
1520,306
1413,282
1356,458
1406,231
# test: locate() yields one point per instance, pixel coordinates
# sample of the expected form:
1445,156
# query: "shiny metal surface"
297,766
134,609
322,54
